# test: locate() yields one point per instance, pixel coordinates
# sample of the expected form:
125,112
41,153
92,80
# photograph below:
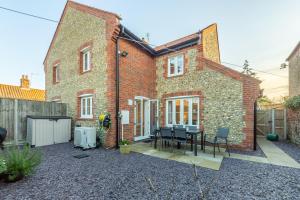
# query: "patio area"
107,174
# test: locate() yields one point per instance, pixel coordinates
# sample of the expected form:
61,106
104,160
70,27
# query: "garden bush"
2,165
292,102
21,162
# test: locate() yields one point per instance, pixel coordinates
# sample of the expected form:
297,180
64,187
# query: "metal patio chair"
166,135
180,136
153,134
221,137
178,126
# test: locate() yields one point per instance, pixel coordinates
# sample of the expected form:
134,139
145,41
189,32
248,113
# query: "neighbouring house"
294,71
22,92
294,90
97,65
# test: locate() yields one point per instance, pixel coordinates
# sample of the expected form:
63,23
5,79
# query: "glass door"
145,117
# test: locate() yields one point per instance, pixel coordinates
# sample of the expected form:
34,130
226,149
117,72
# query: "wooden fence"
272,120
13,115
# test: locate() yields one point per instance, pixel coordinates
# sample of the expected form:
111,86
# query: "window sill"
174,76
84,72
86,119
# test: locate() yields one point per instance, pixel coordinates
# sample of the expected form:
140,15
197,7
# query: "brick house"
294,71
181,82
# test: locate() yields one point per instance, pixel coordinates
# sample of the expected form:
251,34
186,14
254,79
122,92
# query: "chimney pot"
24,82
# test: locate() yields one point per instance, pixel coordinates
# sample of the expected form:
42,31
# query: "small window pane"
170,112
195,112
172,66
180,64
83,106
177,111
88,111
186,111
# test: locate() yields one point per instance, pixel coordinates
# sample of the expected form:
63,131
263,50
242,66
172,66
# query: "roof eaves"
294,50
135,39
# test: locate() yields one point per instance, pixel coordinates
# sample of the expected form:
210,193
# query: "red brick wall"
251,92
137,78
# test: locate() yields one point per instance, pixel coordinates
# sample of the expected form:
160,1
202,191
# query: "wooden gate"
271,121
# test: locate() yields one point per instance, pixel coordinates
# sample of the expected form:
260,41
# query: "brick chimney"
24,82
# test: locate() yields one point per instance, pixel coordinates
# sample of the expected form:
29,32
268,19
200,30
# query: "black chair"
166,135
180,136
220,138
153,134
178,126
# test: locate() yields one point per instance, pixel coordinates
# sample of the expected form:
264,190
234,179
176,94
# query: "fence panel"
13,115
271,120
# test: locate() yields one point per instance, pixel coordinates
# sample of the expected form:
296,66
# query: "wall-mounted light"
124,53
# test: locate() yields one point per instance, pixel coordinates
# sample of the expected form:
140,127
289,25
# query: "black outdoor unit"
3,133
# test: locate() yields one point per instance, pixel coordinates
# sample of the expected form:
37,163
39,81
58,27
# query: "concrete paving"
202,159
274,155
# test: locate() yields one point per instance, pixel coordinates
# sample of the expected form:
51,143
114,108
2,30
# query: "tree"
247,70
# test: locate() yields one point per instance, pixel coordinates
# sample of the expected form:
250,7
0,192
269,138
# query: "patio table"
192,133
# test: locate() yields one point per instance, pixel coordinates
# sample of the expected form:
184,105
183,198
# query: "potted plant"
104,122
19,162
125,147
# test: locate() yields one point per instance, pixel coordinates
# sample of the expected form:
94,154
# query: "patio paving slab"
275,155
202,159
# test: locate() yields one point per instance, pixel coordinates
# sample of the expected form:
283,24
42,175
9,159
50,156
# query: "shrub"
2,166
124,142
21,162
292,102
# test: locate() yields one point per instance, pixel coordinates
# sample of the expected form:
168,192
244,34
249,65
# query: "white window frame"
57,73
176,73
190,111
86,64
83,113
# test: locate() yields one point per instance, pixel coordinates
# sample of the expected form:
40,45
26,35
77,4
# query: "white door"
62,130
141,118
43,132
146,118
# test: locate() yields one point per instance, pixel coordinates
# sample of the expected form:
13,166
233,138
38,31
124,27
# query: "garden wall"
13,115
294,126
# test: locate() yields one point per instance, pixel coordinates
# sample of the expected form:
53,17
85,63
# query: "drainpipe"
117,92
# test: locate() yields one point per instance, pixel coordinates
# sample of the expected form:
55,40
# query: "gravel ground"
106,174
258,152
289,148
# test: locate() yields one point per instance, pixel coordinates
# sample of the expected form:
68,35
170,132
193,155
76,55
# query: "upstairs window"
56,73
86,60
175,65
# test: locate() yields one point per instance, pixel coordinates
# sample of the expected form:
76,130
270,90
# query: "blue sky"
263,32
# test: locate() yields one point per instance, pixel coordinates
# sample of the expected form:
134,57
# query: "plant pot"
272,137
125,149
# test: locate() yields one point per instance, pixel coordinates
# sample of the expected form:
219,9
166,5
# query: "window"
86,60
86,106
56,71
183,111
175,66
